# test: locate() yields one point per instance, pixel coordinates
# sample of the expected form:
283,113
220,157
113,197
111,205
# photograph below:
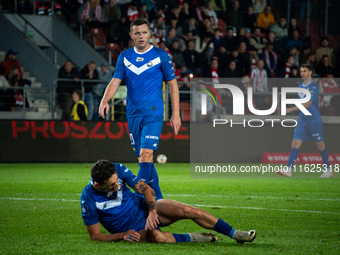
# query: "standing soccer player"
144,68
309,126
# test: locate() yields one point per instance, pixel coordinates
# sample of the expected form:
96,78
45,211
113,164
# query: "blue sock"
154,183
224,228
182,238
292,157
144,174
325,157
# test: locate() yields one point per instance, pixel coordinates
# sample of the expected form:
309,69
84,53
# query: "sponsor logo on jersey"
151,137
149,64
155,145
139,59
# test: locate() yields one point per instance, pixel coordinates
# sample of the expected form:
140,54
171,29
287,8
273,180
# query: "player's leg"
170,211
317,137
150,136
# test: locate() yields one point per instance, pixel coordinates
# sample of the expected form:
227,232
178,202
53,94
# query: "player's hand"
103,109
152,221
289,110
131,236
175,123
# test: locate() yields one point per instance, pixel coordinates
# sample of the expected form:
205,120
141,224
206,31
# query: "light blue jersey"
314,108
144,74
117,211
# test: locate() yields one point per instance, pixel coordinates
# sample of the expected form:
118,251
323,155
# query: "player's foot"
285,172
327,174
203,237
244,236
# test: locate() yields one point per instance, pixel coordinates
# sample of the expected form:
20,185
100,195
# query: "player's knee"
146,156
159,237
190,212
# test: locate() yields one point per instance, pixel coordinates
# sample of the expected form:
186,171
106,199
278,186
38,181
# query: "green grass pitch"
40,212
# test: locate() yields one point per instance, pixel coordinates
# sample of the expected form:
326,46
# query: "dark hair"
69,60
230,28
79,92
102,170
324,56
139,22
324,38
307,66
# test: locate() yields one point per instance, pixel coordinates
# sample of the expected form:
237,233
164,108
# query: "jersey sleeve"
126,175
167,67
120,69
88,209
314,90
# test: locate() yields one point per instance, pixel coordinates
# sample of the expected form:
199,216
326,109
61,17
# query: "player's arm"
175,120
95,235
110,91
295,108
149,194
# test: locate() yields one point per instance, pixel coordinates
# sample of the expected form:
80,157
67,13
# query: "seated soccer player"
108,200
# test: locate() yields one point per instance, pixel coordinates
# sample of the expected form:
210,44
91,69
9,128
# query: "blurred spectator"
245,64
65,88
259,6
310,59
246,82
177,56
91,14
14,74
119,32
18,94
286,69
192,58
150,5
203,44
294,73
98,89
327,104
187,37
303,8
173,14
199,13
242,63
156,23
220,8
259,76
232,71
89,72
111,12
244,4
253,56
306,49
258,41
234,16
217,38
270,60
324,50
162,46
241,37
265,19
212,71
324,67
295,41
158,37
205,27
223,58
184,15
294,51
229,41
132,11
212,23
124,6
191,26
172,36
293,26
143,14
174,24
79,110
4,92
209,11
10,61
249,20
280,28
276,44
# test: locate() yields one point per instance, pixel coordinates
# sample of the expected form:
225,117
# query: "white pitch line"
198,205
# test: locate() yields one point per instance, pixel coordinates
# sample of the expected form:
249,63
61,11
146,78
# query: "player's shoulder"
160,52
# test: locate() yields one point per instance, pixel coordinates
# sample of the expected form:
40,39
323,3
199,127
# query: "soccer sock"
325,157
180,238
154,183
292,158
224,228
144,174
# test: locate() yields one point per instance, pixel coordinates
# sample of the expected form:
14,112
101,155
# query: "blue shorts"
145,132
304,131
